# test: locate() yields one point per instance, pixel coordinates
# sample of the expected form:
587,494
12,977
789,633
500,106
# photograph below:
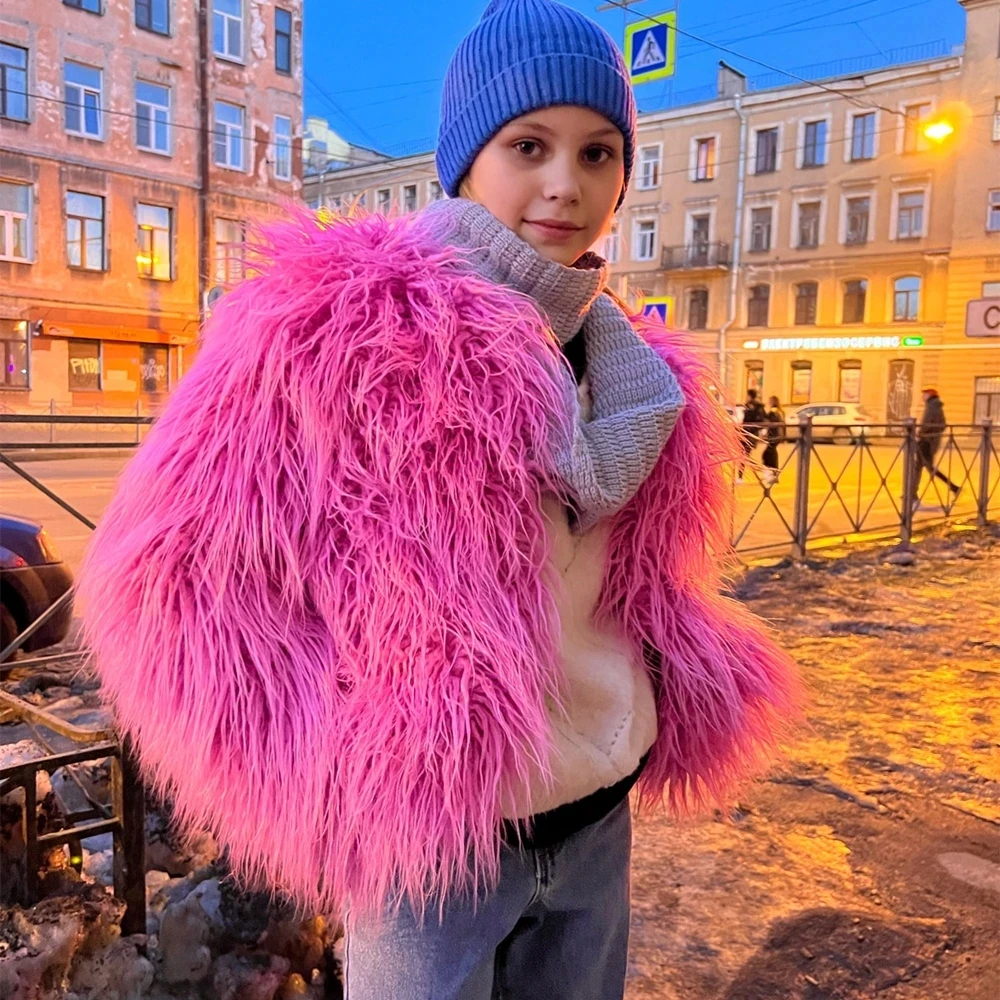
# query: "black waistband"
549,828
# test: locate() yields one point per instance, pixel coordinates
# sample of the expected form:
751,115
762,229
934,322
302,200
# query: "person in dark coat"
754,419
932,426
774,434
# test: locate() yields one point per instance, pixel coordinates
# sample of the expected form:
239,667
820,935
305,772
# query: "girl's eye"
527,147
596,154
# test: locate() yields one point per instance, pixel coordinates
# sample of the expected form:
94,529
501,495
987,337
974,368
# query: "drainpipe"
734,276
204,143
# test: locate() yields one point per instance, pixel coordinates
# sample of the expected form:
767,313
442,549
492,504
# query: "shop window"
153,370
755,376
802,374
850,382
85,365
14,351
987,399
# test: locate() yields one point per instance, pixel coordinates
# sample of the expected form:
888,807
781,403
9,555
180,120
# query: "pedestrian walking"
932,426
774,434
754,421
400,600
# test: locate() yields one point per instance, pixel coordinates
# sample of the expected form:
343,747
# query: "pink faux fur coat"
318,601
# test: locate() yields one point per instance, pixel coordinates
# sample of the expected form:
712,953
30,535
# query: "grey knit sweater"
635,396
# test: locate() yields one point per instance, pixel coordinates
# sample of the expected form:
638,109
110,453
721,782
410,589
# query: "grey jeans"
555,928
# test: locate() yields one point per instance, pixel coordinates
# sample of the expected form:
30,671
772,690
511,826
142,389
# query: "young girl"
400,602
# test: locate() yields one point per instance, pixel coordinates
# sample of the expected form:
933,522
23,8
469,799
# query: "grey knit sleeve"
636,402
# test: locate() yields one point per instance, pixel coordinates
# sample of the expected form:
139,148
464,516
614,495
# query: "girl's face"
554,177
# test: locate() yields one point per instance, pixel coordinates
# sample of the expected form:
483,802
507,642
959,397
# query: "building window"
986,405
766,159
228,251
14,349
153,368
910,215
698,309
282,148
913,128
85,231
704,164
85,365
13,82
152,117
645,239
858,210
805,303
754,371
758,305
15,216
227,28
229,137
154,238
993,212
863,136
855,294
383,200
94,6
282,40
434,191
991,289
850,382
808,234
996,119
82,92
802,377
760,229
905,299
409,197
649,168
153,15
814,146
613,244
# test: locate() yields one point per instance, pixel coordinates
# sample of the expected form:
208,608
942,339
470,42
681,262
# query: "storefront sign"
982,318
831,343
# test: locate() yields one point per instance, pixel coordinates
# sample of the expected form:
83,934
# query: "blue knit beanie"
525,55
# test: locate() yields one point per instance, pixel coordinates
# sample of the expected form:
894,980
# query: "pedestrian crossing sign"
651,47
660,308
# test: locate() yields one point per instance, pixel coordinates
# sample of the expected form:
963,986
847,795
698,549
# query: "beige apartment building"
137,137
814,241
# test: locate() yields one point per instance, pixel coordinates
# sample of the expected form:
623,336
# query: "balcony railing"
695,255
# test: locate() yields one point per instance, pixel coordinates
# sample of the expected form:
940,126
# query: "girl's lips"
550,229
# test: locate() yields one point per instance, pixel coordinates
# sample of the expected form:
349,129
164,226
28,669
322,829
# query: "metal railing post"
911,472
52,427
805,445
985,457
137,414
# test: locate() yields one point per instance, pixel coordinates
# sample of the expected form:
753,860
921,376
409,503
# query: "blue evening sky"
374,70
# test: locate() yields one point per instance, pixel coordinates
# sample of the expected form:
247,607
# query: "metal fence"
842,484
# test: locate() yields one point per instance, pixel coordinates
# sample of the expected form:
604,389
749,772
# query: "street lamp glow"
938,131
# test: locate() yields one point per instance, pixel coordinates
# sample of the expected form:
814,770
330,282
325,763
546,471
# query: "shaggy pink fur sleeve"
317,599
725,690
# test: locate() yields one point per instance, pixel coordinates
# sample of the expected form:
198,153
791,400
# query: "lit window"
14,352
153,237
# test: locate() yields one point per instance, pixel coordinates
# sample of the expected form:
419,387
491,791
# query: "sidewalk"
868,862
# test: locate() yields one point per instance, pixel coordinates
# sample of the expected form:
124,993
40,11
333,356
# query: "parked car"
32,578
842,423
